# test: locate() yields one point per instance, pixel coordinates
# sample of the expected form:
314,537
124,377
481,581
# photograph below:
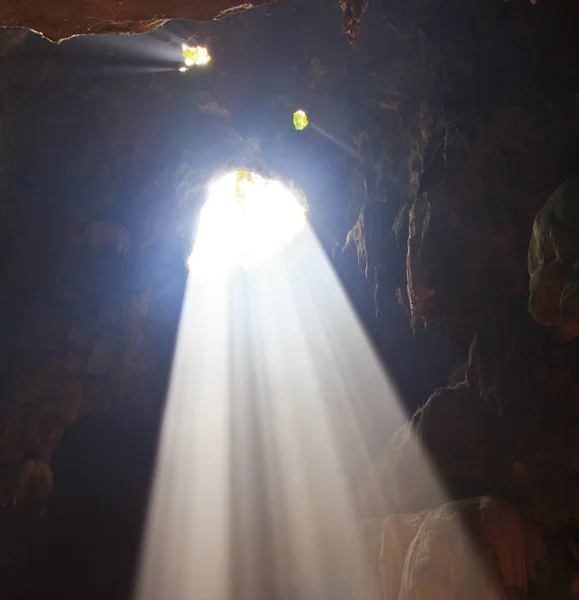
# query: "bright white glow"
244,222
275,395
300,120
195,56
183,69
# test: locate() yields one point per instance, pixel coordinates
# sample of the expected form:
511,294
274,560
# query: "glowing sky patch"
245,220
195,56
300,120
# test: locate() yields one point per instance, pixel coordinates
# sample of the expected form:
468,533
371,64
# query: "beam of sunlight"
275,397
158,51
342,145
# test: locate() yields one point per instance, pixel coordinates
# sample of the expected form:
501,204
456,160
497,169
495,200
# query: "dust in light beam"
275,390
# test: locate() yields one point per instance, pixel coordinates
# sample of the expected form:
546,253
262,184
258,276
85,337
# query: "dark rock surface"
435,144
63,19
553,267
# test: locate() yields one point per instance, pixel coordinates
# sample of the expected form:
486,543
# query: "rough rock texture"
554,262
492,138
454,429
477,548
433,146
400,480
25,483
448,449
64,19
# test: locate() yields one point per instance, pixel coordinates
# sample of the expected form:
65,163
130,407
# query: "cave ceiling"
66,18
63,19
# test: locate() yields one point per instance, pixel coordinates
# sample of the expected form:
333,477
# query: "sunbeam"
275,394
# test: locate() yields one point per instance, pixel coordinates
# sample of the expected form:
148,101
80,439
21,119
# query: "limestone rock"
441,451
476,548
369,237
418,288
553,262
100,235
401,479
102,354
546,475
43,406
64,19
369,542
26,483
454,430
398,531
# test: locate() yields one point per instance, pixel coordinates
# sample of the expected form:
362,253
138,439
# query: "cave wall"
62,20
435,141
493,140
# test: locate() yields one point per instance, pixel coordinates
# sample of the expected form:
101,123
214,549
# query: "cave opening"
245,220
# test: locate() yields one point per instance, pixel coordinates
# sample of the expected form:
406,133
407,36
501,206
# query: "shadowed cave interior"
440,169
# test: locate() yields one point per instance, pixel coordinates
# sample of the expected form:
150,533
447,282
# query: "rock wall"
434,143
61,20
105,165
490,143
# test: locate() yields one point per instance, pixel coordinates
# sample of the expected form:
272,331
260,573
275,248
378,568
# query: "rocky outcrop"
401,478
442,452
554,262
454,428
64,19
487,146
477,548
26,483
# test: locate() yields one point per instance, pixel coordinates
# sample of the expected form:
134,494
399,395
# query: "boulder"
454,429
25,483
440,454
553,262
475,548
401,479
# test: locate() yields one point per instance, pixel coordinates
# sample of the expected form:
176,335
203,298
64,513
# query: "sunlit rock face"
476,548
400,479
481,547
554,262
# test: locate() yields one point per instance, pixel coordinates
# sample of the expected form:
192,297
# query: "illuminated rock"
553,262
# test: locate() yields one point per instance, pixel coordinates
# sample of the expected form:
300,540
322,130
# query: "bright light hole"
195,56
245,220
300,120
